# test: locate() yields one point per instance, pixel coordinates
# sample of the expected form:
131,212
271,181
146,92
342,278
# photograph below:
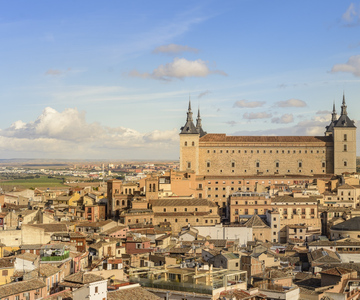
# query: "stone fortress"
212,154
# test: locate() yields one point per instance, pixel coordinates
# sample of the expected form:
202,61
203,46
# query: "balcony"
56,257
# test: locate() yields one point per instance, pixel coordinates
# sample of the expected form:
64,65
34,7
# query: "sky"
112,79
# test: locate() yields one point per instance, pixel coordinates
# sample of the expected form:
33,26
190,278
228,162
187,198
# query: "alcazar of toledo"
212,154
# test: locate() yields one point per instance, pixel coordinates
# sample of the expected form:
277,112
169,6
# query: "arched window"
125,191
154,189
123,202
150,187
193,144
185,143
117,202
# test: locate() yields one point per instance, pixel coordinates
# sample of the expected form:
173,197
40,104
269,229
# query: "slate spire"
198,125
343,106
189,127
333,115
344,120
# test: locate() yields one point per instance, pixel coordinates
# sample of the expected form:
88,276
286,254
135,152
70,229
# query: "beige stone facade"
180,212
222,155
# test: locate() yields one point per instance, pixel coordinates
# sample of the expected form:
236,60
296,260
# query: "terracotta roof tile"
183,202
20,287
132,293
337,271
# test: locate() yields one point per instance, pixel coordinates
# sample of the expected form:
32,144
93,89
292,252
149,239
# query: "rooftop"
20,287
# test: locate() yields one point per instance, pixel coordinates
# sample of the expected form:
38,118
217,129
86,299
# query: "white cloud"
66,134
174,49
291,103
53,72
260,115
207,92
180,68
56,72
247,104
323,112
352,66
162,136
352,15
231,123
313,127
284,119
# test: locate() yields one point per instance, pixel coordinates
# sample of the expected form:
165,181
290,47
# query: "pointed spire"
198,125
198,120
334,117
189,126
189,113
343,106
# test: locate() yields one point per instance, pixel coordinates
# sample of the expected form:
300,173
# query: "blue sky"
111,80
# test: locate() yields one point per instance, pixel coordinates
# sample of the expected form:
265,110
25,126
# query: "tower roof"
189,127
199,126
330,128
344,120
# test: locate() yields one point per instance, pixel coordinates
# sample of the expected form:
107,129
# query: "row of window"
277,171
197,221
269,151
185,209
275,182
257,165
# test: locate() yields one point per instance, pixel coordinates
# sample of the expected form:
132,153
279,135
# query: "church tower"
344,135
189,143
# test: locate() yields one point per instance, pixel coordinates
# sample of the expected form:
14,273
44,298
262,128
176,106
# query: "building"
180,212
221,155
30,289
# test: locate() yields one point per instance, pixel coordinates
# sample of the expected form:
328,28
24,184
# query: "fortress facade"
212,154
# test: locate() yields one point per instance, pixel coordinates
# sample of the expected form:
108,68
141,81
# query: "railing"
56,258
171,285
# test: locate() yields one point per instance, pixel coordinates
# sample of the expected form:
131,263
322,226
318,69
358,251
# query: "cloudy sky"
111,79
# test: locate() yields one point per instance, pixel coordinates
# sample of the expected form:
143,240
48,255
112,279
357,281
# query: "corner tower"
189,144
344,134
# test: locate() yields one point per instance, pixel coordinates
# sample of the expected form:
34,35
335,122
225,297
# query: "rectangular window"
208,164
345,137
